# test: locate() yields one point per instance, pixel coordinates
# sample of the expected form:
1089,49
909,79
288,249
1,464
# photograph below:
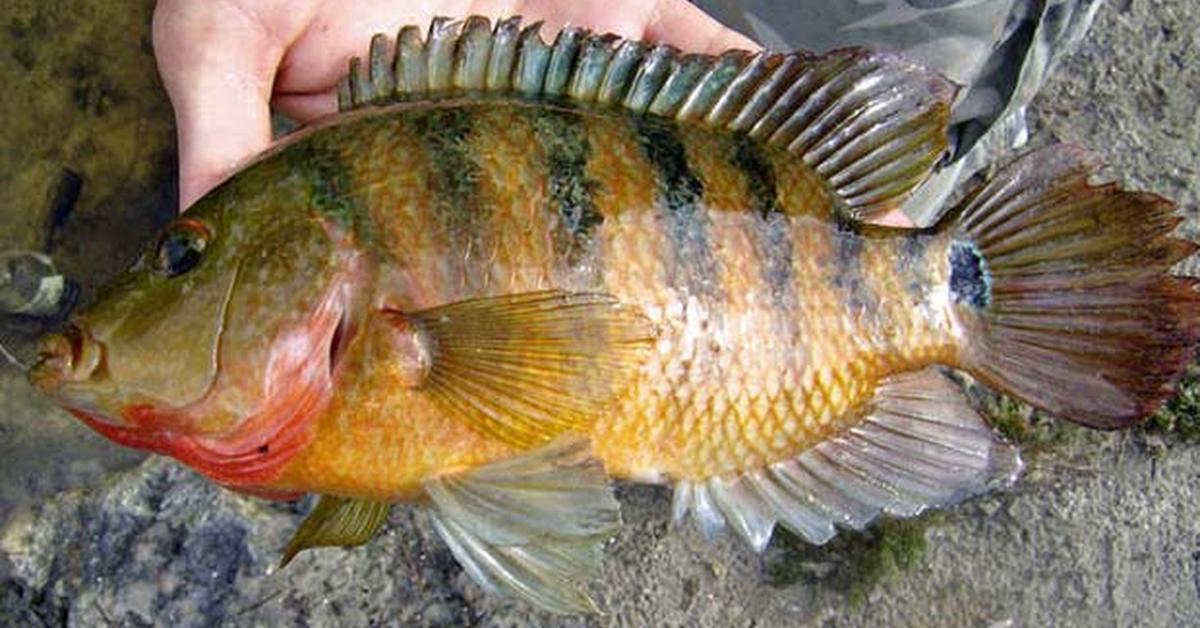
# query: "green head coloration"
217,313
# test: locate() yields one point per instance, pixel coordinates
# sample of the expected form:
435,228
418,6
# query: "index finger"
218,62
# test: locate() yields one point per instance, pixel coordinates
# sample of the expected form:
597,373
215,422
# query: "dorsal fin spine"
562,59
810,119
382,77
532,61
795,81
732,101
649,78
709,89
504,54
684,76
594,59
869,142
813,139
616,79
760,96
472,53
439,55
409,67
356,86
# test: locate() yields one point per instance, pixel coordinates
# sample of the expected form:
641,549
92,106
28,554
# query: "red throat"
245,463
298,388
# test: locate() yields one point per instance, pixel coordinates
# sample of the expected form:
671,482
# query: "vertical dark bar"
692,265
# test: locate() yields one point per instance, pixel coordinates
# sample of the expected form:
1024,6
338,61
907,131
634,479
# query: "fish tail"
1065,293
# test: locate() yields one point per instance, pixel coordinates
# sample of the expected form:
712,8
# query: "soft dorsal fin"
871,124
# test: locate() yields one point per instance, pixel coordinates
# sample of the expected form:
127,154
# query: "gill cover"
192,336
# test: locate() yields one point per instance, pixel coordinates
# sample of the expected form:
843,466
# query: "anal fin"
920,445
533,526
337,521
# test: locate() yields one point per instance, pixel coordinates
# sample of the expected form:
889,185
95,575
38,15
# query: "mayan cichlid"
509,273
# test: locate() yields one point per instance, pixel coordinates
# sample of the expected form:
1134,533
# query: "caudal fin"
1065,291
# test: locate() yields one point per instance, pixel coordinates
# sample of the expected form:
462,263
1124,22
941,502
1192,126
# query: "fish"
509,273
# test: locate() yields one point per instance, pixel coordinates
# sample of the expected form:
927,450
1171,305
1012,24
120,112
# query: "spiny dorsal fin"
533,526
920,445
871,124
527,367
337,521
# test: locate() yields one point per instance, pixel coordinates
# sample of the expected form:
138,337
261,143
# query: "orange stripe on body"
513,185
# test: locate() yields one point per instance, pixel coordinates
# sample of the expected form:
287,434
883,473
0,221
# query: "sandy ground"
1104,530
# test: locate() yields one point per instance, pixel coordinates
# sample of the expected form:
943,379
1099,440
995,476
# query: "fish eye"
181,247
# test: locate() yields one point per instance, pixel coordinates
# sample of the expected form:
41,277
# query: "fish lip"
69,358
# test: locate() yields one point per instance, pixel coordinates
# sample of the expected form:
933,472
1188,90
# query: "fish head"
223,336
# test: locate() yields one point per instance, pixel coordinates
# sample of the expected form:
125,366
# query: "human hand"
225,63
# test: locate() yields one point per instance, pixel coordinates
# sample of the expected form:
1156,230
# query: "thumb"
217,62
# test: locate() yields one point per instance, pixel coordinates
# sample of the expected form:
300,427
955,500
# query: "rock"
160,545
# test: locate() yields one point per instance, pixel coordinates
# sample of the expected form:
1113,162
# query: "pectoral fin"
337,521
533,527
525,368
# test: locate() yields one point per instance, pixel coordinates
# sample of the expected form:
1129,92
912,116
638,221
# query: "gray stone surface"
1104,530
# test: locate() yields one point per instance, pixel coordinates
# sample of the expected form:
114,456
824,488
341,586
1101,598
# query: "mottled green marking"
691,265
911,264
445,134
332,193
564,142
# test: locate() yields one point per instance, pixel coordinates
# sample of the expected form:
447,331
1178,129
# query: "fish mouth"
72,368
69,358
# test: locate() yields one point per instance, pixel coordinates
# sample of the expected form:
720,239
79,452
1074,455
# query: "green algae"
1035,432
1179,418
854,563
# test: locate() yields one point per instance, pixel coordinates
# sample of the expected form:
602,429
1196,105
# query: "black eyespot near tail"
968,276
1066,292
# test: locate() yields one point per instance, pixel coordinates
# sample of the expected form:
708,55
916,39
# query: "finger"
305,108
306,85
217,63
685,25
